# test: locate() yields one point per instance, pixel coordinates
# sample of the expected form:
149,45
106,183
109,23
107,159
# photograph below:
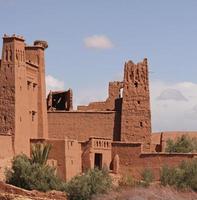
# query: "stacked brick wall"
82,125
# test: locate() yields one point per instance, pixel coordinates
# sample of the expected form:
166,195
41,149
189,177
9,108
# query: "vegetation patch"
34,173
92,182
147,177
126,181
184,176
183,144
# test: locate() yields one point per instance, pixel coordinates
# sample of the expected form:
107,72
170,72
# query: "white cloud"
53,83
171,94
174,113
98,42
91,94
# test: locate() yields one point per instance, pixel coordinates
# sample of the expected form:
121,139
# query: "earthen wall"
65,156
6,154
73,164
133,162
82,125
57,154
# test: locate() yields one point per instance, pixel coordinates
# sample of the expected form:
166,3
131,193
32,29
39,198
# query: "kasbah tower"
115,133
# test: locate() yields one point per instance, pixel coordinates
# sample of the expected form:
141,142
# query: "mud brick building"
115,133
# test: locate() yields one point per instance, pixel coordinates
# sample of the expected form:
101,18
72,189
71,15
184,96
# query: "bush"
183,176
32,176
92,182
147,177
126,180
183,144
34,173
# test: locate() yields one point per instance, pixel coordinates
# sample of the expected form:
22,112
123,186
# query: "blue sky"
163,31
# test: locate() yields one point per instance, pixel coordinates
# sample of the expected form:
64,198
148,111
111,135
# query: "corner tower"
13,102
136,117
23,112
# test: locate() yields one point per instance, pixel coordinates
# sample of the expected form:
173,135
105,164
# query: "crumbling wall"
60,100
82,125
114,92
136,115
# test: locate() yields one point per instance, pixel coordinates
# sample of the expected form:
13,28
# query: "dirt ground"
155,192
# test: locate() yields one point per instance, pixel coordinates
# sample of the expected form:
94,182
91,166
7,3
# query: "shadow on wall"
117,120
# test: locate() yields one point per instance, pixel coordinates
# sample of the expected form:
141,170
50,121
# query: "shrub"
92,182
147,177
183,176
126,180
34,174
183,144
169,175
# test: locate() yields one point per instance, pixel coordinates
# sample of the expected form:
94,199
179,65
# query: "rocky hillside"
9,192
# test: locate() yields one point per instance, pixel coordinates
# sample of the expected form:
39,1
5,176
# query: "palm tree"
40,153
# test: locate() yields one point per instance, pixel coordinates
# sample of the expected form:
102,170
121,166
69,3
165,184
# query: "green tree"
183,144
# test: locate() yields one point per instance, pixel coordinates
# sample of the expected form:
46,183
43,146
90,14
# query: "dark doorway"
98,160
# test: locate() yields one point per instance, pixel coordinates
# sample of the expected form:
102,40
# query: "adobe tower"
22,92
136,115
